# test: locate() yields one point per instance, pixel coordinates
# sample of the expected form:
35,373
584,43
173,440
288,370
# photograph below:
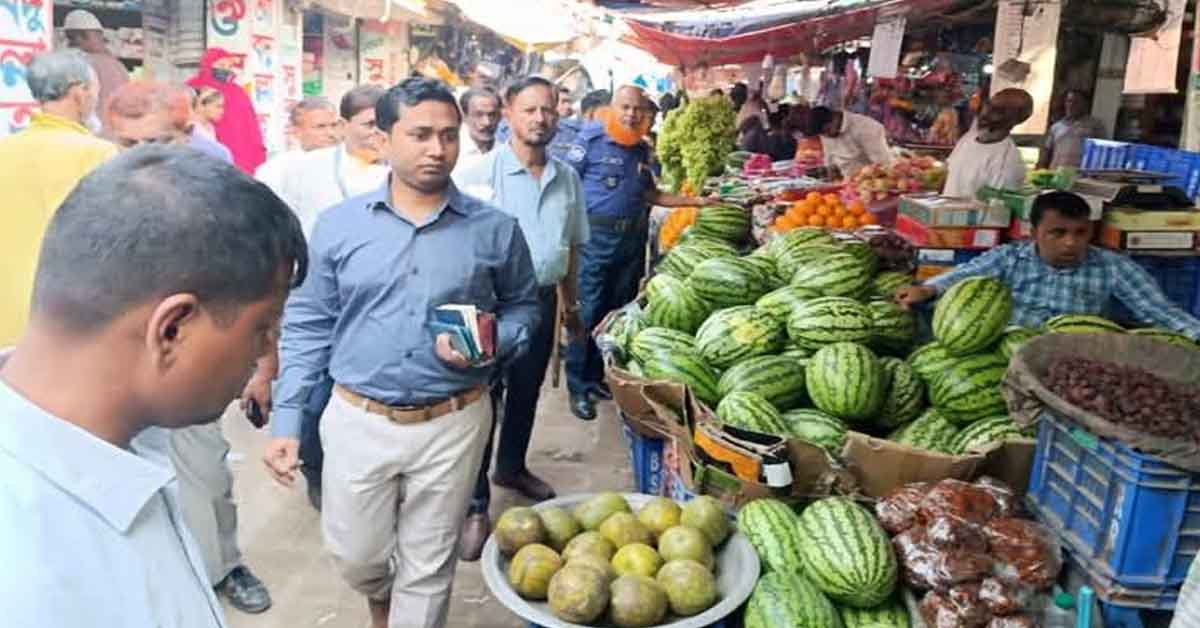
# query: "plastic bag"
926,567
1026,552
952,535
1004,599
1008,505
959,500
957,608
1013,621
898,511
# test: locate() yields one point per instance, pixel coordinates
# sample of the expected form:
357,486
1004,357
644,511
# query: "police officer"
614,162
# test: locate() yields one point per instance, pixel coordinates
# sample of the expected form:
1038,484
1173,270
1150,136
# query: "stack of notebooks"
472,331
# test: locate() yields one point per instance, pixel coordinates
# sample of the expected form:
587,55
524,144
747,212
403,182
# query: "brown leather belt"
405,415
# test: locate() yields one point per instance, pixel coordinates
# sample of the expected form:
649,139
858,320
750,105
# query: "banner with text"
26,28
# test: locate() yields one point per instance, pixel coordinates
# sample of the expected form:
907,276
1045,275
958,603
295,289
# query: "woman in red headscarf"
238,129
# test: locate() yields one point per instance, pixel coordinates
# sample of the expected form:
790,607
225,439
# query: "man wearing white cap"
86,33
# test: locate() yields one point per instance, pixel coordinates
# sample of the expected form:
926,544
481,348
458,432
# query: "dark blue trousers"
611,265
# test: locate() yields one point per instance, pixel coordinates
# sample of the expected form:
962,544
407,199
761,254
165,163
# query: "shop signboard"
26,28
1154,59
1025,53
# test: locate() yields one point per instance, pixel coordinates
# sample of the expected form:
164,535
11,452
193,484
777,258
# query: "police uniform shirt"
615,177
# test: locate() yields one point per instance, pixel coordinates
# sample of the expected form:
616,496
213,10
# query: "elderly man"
614,163
139,113
481,112
39,166
987,155
405,430
319,180
119,347
86,33
313,124
546,197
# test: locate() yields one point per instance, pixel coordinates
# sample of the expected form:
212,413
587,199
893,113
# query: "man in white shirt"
314,124
849,141
118,347
311,184
987,155
481,117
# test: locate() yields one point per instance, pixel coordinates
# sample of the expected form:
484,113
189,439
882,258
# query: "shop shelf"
1131,515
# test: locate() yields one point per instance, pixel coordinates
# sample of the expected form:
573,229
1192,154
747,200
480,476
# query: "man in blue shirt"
568,128
546,197
405,430
1060,273
614,162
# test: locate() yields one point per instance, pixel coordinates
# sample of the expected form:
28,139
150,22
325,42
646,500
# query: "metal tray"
737,572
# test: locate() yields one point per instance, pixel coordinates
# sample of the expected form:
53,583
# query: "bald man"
987,155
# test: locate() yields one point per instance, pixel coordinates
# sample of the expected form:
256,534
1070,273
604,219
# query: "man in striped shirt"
1058,272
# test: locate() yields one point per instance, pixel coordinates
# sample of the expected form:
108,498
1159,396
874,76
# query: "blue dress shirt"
373,281
551,211
615,178
1041,292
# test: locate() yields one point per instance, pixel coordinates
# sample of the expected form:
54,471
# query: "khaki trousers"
393,500
206,495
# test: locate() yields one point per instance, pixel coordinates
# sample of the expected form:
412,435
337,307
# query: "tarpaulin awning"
797,27
529,25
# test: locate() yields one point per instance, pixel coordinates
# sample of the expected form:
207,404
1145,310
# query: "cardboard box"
881,466
1018,202
926,272
946,257
1120,240
921,235
943,211
1130,219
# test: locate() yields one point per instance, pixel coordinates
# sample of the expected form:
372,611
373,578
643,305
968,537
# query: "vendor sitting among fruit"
987,154
1058,272
849,141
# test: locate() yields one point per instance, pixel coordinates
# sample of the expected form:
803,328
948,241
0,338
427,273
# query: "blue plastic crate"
1120,606
646,456
1105,154
1133,517
1179,278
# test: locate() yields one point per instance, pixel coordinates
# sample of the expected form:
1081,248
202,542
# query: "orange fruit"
812,197
831,199
816,220
849,222
867,219
785,221
858,207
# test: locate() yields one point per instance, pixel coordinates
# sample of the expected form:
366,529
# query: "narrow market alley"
281,535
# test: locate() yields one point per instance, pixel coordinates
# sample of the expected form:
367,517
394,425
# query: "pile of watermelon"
830,565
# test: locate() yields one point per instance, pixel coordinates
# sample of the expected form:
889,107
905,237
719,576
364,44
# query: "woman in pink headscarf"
238,129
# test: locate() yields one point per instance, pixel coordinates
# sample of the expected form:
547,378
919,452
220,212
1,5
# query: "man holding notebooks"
546,197
399,278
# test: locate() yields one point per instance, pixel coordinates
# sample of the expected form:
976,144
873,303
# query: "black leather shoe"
527,484
244,591
601,391
474,534
581,406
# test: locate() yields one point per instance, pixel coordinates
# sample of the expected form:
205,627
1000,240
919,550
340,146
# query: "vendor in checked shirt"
1058,272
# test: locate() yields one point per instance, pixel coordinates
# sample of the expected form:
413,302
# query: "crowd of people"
161,267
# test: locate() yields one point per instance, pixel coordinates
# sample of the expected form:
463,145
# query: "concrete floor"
281,537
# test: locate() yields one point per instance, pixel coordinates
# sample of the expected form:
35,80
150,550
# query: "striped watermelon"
797,238
893,327
776,378
931,431
822,321
683,259
655,339
748,411
930,360
789,260
683,368
818,428
674,305
738,333
971,315
844,379
885,284
726,222
691,236
780,303
980,434
905,396
635,368
864,253
772,527
1082,324
846,554
659,283
836,275
891,614
1165,335
729,281
1014,337
767,267
786,600
622,329
970,389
